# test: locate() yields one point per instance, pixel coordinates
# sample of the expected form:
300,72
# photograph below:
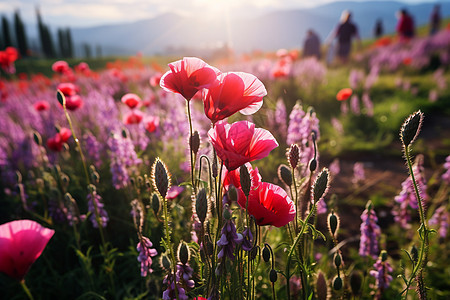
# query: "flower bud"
165,262
333,223
383,255
285,174
411,128
246,182
321,286
337,260
194,142
156,206
201,205
61,98
355,283
232,193
313,165
254,252
208,245
37,138
320,185
227,213
337,283
266,253
273,276
215,168
160,177
183,253
293,155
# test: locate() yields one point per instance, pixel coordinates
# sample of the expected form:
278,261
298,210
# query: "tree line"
61,46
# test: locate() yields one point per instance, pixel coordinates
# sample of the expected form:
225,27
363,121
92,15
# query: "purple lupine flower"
433,96
337,125
441,218
146,252
57,212
370,232
334,168
169,293
247,242
368,105
228,240
93,149
446,176
280,118
295,130
381,274
358,173
354,104
344,108
184,274
103,215
355,78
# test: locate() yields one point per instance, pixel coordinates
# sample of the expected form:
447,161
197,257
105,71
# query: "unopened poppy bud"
65,179
160,178
124,133
273,276
147,182
254,252
333,223
156,206
183,253
246,182
37,138
165,262
321,287
214,167
194,142
132,181
68,197
337,260
208,245
293,155
313,165
355,282
266,253
95,177
219,269
411,128
227,213
337,283
383,255
320,185
201,205
60,97
285,174
414,253
232,193
92,188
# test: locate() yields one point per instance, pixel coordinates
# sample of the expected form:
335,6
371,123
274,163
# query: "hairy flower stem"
422,260
26,290
294,183
62,100
169,245
188,110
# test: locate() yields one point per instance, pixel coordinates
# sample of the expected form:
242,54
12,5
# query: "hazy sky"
84,13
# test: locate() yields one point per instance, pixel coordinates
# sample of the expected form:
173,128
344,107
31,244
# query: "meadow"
265,176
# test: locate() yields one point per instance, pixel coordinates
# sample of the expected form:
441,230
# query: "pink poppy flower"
74,102
187,76
133,117
60,66
234,91
151,123
41,105
155,79
270,205
233,178
64,134
240,142
55,143
67,88
21,243
131,100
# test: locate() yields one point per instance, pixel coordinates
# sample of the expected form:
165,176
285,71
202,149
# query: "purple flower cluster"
93,149
184,274
370,233
229,239
358,173
446,176
247,242
381,274
441,218
169,293
102,213
146,252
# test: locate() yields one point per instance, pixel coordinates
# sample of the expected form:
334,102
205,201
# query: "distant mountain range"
175,34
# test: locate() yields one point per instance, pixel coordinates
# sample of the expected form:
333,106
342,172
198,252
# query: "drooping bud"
246,182
160,177
208,245
313,165
285,174
183,253
156,206
232,193
411,128
320,185
254,252
355,282
37,138
266,253
215,168
321,286
337,283
194,142
273,276
333,223
293,155
201,205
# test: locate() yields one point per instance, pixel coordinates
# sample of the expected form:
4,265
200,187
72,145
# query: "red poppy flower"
7,59
131,100
21,243
55,143
41,105
68,89
64,134
344,94
73,102
407,61
151,123
133,117
188,76
240,142
61,67
232,93
270,205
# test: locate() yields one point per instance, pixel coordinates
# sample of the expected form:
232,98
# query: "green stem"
26,290
188,109
169,245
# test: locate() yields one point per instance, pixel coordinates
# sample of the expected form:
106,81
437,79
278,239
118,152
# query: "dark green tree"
87,50
69,42
62,43
21,37
6,32
45,36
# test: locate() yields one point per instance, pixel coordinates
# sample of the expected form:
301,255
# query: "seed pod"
246,182
337,283
183,253
273,276
411,128
293,155
194,142
201,205
160,177
321,185
266,253
333,223
285,174
227,213
156,206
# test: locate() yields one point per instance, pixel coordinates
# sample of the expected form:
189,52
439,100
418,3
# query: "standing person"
345,32
378,30
405,26
311,47
435,19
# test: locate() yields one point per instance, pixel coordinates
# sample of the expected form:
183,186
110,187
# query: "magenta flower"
21,243
187,76
146,252
240,142
234,91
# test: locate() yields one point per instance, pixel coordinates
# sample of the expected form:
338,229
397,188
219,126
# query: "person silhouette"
378,30
345,32
311,46
435,19
405,26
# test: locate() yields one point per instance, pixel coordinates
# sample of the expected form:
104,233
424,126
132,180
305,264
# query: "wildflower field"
266,176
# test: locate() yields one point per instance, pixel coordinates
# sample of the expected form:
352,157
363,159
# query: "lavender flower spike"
370,232
145,255
381,274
